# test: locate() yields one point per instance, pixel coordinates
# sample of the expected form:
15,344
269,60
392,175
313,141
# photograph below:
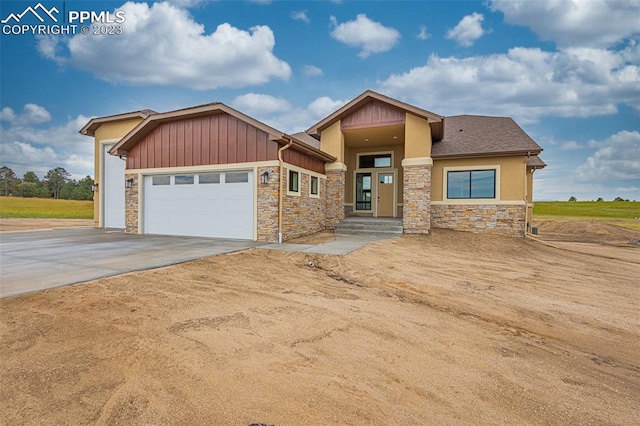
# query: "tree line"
57,183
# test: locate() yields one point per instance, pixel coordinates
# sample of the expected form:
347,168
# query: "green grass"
605,209
45,208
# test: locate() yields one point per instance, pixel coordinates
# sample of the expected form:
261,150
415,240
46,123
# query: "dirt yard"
19,224
452,328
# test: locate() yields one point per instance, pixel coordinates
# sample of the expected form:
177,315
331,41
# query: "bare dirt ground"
19,224
450,328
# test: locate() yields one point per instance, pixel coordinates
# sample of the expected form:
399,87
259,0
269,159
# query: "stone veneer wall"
303,214
502,219
416,218
131,205
268,205
335,198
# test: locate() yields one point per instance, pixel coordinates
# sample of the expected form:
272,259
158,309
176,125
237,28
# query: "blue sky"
567,71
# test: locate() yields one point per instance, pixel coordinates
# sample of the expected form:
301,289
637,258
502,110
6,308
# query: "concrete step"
369,225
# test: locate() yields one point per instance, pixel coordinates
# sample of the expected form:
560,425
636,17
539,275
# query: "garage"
212,204
112,189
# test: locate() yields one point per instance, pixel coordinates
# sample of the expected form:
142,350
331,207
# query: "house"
213,171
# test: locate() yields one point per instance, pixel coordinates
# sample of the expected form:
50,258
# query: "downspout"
280,197
528,220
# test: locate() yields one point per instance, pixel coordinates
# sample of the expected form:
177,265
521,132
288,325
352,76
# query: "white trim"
477,201
335,167
418,161
140,203
447,200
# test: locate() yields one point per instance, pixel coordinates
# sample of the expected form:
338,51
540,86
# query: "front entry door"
385,195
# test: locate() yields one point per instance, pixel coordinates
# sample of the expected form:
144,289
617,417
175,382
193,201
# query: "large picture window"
471,184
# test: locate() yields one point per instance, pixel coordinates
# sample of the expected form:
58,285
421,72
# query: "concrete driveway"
32,261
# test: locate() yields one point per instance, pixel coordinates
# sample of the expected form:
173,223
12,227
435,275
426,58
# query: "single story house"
213,171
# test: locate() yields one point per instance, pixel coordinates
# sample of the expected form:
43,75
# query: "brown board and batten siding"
373,114
215,139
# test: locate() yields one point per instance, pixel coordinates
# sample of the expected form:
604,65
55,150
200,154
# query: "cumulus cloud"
369,36
312,71
617,158
574,23
423,34
162,44
27,143
468,30
525,83
570,146
31,114
259,104
300,16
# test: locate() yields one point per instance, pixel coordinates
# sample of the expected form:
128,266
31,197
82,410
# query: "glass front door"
363,191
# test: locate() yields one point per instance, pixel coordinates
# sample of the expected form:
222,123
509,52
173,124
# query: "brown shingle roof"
308,139
536,162
475,136
90,128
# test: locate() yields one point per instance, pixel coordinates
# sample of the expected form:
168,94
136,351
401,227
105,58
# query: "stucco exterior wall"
417,137
303,214
512,175
106,131
332,141
502,219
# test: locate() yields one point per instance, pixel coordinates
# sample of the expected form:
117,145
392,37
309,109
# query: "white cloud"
574,23
32,114
259,104
423,34
468,30
525,83
300,16
369,36
312,71
617,158
162,44
570,146
7,114
187,4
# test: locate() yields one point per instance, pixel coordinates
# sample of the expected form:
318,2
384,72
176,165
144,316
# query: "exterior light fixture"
94,187
128,183
264,178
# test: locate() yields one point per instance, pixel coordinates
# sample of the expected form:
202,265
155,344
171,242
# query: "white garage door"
202,204
112,187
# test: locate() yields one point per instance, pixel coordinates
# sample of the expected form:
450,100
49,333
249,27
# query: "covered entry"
212,204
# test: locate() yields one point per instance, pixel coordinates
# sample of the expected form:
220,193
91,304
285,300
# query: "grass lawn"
620,213
45,208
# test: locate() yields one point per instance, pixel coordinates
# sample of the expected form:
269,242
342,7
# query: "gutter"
280,196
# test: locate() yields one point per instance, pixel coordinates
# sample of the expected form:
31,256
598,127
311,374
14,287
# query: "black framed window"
314,185
471,184
293,181
374,160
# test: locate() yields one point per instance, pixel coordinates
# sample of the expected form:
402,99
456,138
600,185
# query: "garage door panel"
223,210
112,186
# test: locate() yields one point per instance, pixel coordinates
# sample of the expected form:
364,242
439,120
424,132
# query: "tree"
572,199
600,199
619,199
30,177
8,180
56,178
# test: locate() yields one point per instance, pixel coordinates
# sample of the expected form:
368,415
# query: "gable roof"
153,121
436,121
479,136
90,128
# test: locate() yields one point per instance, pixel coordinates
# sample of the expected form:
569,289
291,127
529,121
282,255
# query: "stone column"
416,216
131,204
336,176
268,204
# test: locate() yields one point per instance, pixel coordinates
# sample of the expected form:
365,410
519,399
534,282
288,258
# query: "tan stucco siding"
107,132
332,141
529,186
417,137
512,175
351,162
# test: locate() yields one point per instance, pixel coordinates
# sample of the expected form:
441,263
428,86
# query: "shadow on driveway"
32,261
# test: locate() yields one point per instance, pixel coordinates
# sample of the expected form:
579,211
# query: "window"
363,191
161,180
236,177
314,186
184,180
374,160
293,181
471,184
206,178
